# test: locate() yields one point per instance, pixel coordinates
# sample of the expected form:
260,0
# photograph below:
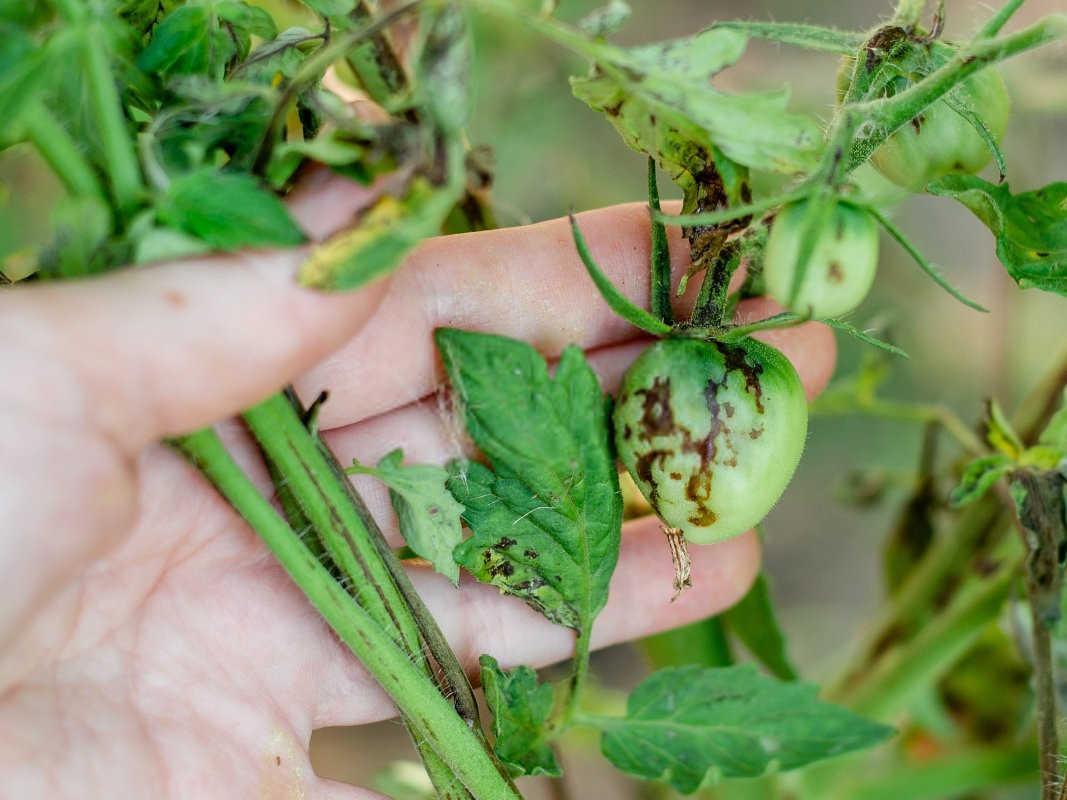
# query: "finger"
324,789
476,619
526,282
149,352
430,434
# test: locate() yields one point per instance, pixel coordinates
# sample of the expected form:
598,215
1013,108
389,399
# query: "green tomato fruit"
711,432
841,269
939,141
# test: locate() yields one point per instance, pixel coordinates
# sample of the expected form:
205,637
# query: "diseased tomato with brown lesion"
711,432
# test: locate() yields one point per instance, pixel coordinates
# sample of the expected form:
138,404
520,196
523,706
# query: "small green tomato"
841,269
711,432
939,141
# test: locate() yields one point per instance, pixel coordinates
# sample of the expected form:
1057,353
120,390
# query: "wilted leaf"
520,707
1031,227
660,99
547,517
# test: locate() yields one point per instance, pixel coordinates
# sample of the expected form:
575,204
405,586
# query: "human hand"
149,644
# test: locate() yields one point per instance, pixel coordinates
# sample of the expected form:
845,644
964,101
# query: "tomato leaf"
691,726
662,103
754,622
979,477
1031,227
228,211
520,707
547,517
384,235
178,34
428,514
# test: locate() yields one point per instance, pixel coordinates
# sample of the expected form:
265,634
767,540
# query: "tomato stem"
433,717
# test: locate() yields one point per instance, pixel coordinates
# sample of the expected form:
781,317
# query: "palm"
156,646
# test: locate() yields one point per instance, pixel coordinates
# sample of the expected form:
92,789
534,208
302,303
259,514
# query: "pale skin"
149,645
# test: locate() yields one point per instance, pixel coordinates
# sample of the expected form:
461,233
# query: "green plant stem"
978,527
938,645
61,153
392,596
890,113
923,413
119,153
734,212
1000,19
445,782
376,64
281,434
660,279
908,12
433,718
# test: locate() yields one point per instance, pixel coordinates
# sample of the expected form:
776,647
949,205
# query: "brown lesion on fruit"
735,359
657,418
835,274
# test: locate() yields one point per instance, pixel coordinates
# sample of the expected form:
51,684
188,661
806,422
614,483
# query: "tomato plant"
185,126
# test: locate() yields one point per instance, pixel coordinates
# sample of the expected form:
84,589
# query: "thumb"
162,350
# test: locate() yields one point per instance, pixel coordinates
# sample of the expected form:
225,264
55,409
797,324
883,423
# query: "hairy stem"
660,282
890,113
432,717
61,152
119,153
908,12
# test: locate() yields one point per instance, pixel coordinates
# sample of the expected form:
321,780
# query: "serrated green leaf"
755,623
1030,227
547,517
228,211
176,35
692,726
607,19
660,99
428,514
520,706
979,477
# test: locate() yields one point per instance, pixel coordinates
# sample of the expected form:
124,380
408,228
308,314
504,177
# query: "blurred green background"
553,154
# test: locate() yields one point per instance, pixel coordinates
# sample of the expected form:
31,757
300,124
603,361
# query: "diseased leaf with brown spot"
660,99
1031,227
547,516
